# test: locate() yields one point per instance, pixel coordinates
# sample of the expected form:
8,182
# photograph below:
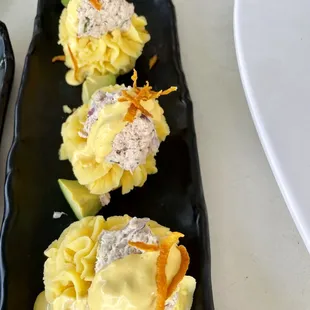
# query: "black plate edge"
8,212
8,78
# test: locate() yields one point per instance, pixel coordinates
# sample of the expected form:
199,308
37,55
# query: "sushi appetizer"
120,263
100,37
111,141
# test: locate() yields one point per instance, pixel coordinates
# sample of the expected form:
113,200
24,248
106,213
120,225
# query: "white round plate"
272,40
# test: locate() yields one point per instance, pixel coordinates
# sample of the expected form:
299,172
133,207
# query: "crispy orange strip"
153,61
139,94
75,65
140,107
135,105
181,273
163,93
144,246
131,113
161,278
169,90
163,291
59,58
96,4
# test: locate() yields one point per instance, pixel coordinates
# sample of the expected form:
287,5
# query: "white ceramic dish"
272,40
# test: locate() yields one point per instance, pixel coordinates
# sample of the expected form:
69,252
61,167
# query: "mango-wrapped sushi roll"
100,37
112,140
120,263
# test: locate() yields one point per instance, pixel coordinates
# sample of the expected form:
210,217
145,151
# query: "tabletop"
258,258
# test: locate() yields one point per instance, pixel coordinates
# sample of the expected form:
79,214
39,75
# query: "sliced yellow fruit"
81,201
93,83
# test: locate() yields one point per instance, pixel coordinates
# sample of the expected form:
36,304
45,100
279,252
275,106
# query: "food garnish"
138,94
161,278
59,58
144,246
96,4
75,65
163,291
153,61
131,113
135,105
182,271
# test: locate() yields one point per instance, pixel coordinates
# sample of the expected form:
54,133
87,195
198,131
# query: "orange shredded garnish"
96,4
136,102
163,93
138,94
59,58
144,246
181,273
131,113
161,278
163,291
153,61
168,91
75,65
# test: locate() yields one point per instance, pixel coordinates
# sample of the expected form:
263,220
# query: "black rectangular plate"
7,68
173,196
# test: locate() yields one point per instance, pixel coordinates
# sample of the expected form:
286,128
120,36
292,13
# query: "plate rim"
260,129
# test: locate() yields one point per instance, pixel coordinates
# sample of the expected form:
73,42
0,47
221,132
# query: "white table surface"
259,261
